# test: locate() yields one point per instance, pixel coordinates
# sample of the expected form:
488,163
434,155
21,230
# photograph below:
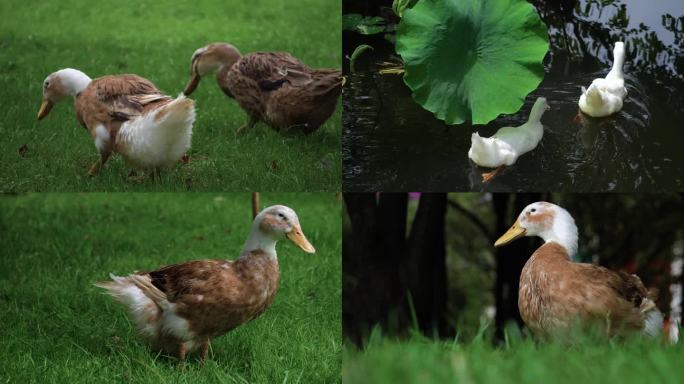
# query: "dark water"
391,143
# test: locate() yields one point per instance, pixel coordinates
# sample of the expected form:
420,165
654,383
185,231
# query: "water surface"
391,143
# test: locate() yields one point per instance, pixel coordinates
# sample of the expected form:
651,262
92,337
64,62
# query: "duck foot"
579,118
486,177
240,131
94,169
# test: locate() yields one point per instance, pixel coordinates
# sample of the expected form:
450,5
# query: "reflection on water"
390,143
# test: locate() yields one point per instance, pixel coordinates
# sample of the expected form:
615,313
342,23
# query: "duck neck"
73,81
618,61
260,241
563,232
537,112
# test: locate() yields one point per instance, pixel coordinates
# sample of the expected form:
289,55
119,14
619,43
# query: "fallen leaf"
23,150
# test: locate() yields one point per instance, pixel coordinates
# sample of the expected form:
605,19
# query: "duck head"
275,223
210,59
60,85
545,220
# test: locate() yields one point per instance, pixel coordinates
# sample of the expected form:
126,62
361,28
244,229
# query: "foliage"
586,360
399,6
58,327
155,40
472,59
355,55
365,25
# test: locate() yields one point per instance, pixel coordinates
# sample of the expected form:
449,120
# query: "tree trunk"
426,264
371,263
510,259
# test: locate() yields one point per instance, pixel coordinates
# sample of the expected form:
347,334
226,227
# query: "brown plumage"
556,294
273,87
106,104
181,307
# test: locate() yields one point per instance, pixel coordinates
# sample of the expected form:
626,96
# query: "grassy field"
58,327
586,361
155,39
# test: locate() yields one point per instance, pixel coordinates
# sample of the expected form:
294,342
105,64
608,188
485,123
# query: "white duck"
604,97
124,114
508,143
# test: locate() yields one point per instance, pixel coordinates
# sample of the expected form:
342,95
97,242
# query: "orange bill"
297,237
513,233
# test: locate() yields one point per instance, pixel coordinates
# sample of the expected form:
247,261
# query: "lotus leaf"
472,59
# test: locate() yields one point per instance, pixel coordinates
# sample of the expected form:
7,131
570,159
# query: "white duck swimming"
508,143
604,97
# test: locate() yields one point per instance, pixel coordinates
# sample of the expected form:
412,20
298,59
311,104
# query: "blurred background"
431,255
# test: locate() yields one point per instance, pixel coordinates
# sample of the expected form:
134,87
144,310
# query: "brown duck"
181,307
273,87
556,293
124,114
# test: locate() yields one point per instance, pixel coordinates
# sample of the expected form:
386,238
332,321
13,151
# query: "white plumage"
158,138
605,96
508,143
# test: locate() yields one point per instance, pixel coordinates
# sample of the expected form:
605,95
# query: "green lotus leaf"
472,59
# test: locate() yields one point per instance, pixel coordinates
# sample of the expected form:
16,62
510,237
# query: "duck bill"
192,84
45,107
513,233
297,237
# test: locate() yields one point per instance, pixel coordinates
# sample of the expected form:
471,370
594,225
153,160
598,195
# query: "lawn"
419,360
58,327
155,39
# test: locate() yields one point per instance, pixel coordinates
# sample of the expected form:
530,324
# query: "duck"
508,143
556,293
180,308
271,87
605,96
125,114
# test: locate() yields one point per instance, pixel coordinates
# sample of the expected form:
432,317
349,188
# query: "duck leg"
249,125
205,351
486,177
182,351
95,168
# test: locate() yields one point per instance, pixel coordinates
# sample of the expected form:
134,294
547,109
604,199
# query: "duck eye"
47,84
533,210
281,216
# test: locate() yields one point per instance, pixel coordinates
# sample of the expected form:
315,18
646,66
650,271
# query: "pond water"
390,143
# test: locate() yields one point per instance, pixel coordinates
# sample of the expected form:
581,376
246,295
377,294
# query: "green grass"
58,327
155,39
420,360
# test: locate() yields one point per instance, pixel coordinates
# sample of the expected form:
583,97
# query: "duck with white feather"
181,307
556,293
125,114
605,96
508,143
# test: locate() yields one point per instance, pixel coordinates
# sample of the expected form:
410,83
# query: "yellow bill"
297,237
514,232
45,107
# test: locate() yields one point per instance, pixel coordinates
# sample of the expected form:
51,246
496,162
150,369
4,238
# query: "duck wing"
183,279
621,296
117,98
270,70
